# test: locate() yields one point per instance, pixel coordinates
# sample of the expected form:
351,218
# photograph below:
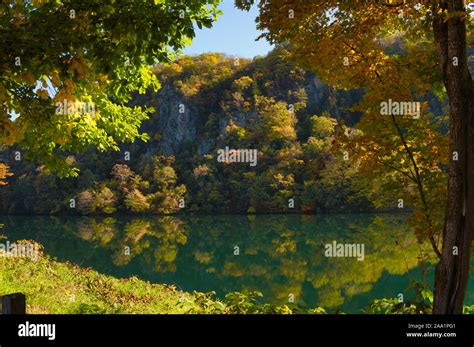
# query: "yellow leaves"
61,140
79,67
10,132
284,180
37,2
4,173
104,79
203,257
90,121
243,82
176,68
249,176
70,160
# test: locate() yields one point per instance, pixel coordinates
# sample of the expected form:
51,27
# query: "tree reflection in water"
282,256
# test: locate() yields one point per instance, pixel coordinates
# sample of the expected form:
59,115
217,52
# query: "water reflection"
282,256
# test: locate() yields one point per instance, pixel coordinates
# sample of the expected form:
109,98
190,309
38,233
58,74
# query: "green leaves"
85,50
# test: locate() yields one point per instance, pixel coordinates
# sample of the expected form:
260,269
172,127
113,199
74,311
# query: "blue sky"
234,33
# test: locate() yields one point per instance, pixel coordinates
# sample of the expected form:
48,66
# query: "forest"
244,106
285,112
358,109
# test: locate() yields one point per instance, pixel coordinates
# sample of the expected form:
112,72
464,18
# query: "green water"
282,256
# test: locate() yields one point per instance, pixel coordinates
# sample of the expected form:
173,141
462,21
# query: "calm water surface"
278,255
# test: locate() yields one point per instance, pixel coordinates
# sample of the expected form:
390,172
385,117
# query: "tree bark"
452,271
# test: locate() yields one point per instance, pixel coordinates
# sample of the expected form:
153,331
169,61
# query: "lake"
285,257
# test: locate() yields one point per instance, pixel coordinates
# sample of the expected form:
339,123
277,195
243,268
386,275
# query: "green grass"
54,287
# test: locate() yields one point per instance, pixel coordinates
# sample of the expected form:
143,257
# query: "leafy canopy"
85,52
387,48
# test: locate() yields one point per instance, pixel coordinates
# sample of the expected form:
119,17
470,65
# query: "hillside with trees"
209,102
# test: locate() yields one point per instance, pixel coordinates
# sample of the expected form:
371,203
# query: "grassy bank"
54,287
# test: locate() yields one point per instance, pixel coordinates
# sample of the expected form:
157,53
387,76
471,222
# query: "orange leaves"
176,68
66,93
55,79
69,86
42,93
79,67
28,78
3,94
4,173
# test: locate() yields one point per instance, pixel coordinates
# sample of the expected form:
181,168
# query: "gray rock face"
318,95
205,147
177,123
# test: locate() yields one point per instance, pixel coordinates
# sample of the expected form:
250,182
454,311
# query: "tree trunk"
452,271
